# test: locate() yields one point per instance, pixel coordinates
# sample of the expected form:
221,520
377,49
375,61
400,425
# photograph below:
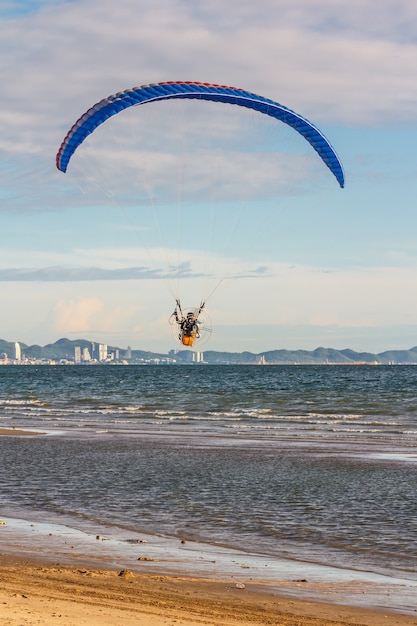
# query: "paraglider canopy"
112,105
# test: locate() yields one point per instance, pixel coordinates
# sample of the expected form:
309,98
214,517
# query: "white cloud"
76,315
340,60
277,309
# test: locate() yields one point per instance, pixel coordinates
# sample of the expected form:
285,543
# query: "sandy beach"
17,432
41,593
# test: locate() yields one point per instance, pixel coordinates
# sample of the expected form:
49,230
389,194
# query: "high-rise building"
102,352
17,352
86,354
77,354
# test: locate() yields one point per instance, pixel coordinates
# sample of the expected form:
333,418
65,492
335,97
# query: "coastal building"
17,352
102,352
77,354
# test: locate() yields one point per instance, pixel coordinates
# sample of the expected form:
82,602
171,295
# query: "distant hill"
8,346
319,356
64,349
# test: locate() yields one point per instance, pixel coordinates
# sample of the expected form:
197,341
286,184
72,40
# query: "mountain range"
64,349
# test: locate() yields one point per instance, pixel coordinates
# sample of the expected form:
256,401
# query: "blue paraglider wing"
112,105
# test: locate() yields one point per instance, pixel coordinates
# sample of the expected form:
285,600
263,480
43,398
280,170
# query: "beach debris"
244,566
125,573
183,541
240,586
3,523
145,558
136,541
97,536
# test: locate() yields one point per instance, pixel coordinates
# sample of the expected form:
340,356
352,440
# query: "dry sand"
15,432
38,593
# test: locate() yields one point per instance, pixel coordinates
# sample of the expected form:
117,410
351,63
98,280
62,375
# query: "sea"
296,476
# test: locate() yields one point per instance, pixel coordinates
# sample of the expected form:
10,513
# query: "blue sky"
304,263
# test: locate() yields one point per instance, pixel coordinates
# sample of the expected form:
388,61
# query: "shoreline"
76,574
69,567
38,592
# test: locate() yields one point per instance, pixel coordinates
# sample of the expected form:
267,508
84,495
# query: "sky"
241,204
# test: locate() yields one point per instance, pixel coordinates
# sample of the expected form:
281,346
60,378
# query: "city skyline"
85,352
95,353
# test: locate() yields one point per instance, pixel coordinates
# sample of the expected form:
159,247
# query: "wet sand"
32,592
